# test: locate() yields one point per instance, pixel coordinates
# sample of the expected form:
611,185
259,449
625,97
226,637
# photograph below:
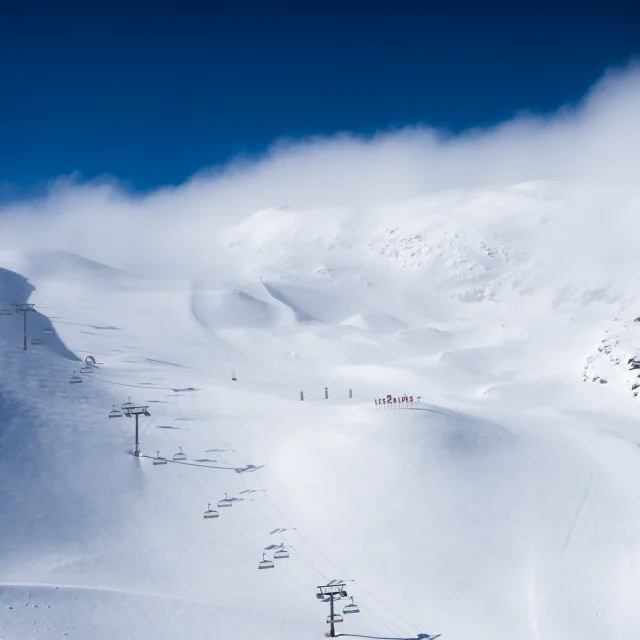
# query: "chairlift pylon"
114,413
281,554
351,608
180,456
225,502
265,563
158,459
211,513
75,379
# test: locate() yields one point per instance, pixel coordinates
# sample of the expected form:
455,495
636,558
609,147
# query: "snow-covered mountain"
500,505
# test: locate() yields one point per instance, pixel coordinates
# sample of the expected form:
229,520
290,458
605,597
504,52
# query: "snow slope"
501,506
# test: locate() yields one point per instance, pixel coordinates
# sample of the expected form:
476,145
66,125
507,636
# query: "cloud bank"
596,142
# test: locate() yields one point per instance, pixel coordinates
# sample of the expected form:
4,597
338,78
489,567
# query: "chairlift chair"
265,563
336,617
115,413
128,404
36,340
75,379
180,456
281,554
158,459
351,608
211,513
225,502
5,312
47,331
86,369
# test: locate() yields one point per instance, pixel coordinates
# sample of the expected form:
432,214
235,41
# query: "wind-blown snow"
493,275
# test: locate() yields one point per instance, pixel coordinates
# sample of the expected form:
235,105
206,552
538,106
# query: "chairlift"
180,456
265,563
75,379
128,405
36,340
281,554
5,312
211,513
158,459
86,369
335,618
47,331
351,608
225,502
115,413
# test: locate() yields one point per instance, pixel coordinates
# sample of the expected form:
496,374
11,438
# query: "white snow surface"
504,505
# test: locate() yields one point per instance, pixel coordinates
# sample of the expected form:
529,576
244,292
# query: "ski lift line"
308,587
260,527
202,466
183,477
311,566
224,521
392,627
299,556
395,613
395,629
211,430
387,624
286,520
371,632
301,535
333,564
244,511
267,519
132,386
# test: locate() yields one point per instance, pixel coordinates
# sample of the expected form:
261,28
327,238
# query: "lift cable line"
161,460
129,406
278,555
128,410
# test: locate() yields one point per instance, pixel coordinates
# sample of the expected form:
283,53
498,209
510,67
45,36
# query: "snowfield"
502,504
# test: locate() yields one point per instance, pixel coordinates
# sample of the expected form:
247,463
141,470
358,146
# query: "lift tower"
23,308
130,409
331,591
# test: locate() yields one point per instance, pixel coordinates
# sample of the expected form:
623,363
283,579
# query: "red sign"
391,400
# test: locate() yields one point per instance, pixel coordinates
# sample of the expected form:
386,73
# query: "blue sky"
152,93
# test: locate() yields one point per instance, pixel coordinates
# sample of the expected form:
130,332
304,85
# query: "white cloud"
596,142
